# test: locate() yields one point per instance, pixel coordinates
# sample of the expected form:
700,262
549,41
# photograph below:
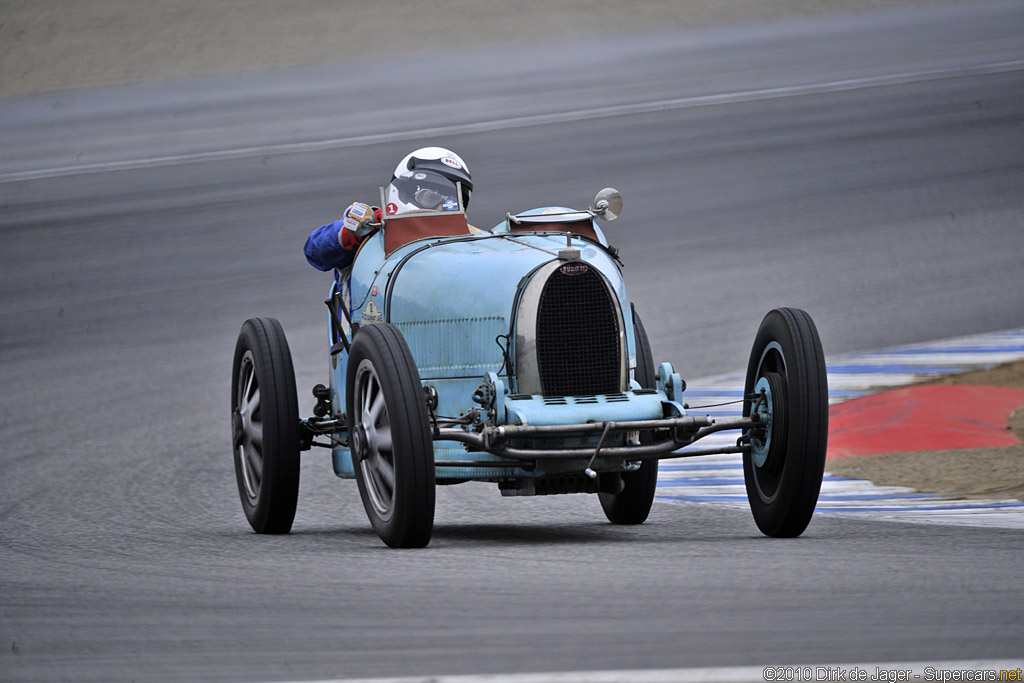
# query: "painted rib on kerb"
691,102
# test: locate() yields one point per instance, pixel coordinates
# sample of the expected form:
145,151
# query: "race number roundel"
392,209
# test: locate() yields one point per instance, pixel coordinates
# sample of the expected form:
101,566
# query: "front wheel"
265,426
786,387
390,437
633,503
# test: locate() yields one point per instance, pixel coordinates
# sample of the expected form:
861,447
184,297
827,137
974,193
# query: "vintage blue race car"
511,356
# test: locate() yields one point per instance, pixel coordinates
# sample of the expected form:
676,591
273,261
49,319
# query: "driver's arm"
334,244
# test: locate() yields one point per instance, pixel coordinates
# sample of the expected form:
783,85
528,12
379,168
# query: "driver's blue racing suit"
329,246
334,245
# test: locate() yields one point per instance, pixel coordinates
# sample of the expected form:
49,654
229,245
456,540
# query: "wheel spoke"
255,434
250,376
385,471
377,408
379,477
384,439
252,403
255,466
241,453
367,393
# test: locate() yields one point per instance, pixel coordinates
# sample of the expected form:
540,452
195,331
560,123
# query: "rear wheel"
633,503
390,437
784,468
265,426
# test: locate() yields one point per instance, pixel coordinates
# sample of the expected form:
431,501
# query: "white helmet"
439,160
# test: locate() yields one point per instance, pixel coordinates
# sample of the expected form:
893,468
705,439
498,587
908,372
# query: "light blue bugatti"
513,356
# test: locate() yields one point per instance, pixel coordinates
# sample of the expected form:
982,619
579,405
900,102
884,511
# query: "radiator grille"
577,335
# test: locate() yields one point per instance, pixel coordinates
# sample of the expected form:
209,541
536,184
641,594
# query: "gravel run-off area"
48,45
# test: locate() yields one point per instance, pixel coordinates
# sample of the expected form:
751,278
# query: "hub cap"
763,409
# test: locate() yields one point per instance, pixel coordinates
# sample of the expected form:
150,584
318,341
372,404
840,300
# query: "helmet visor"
421,191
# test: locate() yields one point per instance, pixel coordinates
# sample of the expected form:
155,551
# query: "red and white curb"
719,479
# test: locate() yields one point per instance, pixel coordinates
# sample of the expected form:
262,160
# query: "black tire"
265,426
394,467
633,503
783,471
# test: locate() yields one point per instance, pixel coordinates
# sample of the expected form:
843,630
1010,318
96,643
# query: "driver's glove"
356,224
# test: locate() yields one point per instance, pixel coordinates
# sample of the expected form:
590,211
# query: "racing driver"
423,180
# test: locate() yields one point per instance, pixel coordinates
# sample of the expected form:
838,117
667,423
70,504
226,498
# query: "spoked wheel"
390,437
633,503
786,377
265,426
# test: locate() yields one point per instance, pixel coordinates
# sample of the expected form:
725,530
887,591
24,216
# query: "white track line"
959,670
692,102
719,479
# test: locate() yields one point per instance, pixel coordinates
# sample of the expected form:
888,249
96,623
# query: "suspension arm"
684,431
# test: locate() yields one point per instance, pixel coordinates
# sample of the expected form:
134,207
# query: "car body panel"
455,301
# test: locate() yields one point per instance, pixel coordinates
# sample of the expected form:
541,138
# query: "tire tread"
632,505
790,512
412,526
274,512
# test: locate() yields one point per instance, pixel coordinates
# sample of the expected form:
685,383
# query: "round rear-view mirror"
608,204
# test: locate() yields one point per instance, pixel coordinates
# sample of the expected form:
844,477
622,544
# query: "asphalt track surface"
866,168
